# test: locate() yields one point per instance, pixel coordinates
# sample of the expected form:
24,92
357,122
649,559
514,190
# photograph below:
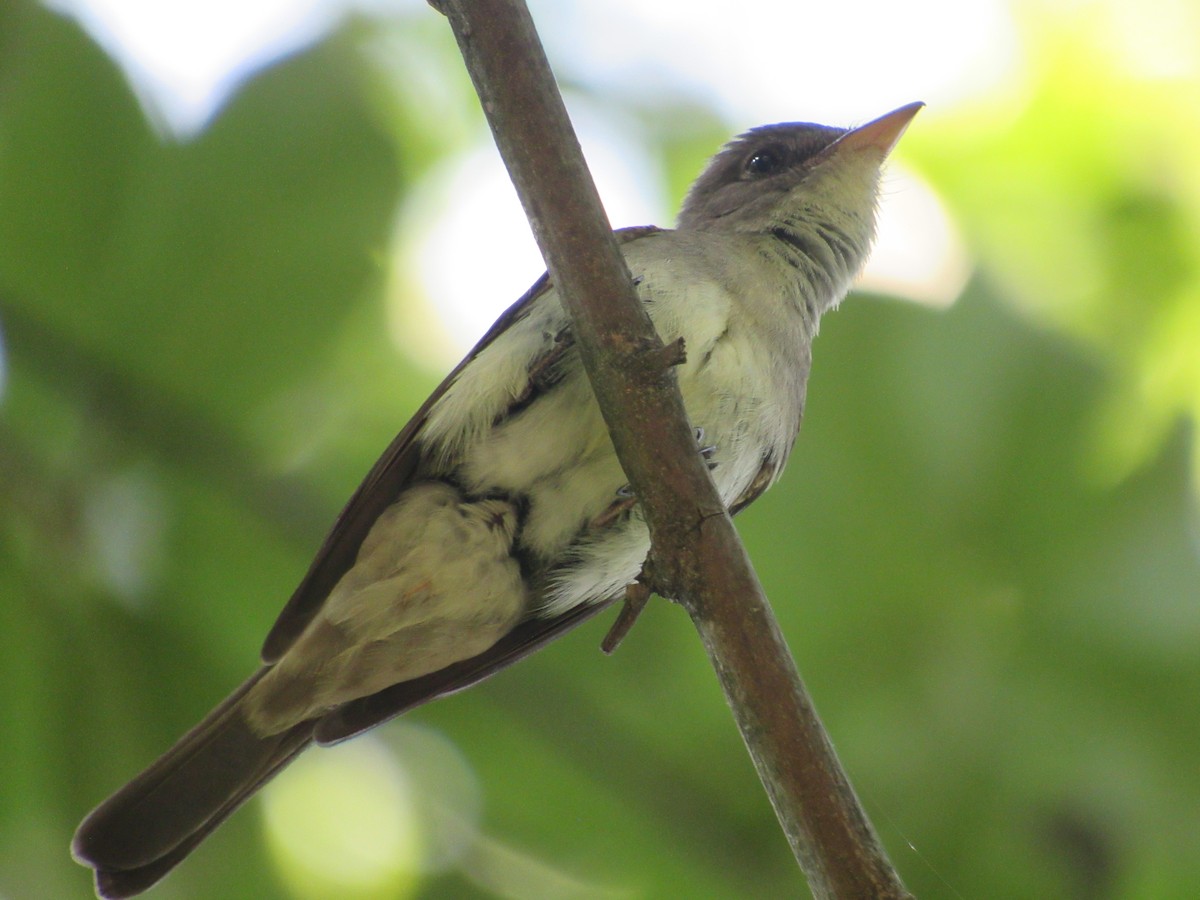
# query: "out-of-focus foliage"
1080,193
984,553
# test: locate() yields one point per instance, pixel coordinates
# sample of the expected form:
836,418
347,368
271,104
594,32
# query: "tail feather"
149,826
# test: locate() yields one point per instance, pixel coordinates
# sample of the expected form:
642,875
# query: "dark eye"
767,161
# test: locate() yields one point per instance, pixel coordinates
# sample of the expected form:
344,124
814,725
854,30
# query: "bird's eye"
765,162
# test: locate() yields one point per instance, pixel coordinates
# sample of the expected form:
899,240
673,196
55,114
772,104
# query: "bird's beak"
880,134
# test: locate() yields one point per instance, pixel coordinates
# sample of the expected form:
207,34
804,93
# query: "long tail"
148,827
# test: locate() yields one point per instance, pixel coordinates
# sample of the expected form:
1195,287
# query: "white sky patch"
785,60
774,60
184,57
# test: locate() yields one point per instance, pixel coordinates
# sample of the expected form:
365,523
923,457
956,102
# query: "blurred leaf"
1081,197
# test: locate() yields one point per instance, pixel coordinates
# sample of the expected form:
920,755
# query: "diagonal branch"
697,556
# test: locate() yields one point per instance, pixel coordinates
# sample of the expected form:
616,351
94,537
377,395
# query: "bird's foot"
627,500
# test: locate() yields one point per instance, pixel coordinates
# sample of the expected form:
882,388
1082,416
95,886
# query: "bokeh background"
240,242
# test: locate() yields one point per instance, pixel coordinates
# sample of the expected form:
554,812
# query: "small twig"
666,356
636,596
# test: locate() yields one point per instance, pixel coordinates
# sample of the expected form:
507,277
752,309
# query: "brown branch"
697,556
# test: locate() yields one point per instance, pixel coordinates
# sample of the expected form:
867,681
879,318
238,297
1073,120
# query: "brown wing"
377,492
359,715
380,489
762,481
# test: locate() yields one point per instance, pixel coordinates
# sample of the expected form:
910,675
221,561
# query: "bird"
499,517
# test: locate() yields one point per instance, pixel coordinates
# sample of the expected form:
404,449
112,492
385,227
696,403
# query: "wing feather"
383,484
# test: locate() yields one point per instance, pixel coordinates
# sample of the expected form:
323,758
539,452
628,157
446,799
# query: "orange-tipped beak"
881,133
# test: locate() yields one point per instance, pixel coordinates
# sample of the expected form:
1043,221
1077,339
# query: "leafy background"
984,555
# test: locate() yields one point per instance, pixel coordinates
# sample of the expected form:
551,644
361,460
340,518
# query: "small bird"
499,517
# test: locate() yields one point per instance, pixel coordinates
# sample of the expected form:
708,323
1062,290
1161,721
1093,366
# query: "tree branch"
696,555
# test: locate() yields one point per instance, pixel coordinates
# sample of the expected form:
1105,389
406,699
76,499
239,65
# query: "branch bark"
697,556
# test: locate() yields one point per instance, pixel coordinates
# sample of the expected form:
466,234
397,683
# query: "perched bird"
499,517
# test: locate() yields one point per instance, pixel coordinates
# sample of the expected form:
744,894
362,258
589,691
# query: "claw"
623,504
626,498
706,451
